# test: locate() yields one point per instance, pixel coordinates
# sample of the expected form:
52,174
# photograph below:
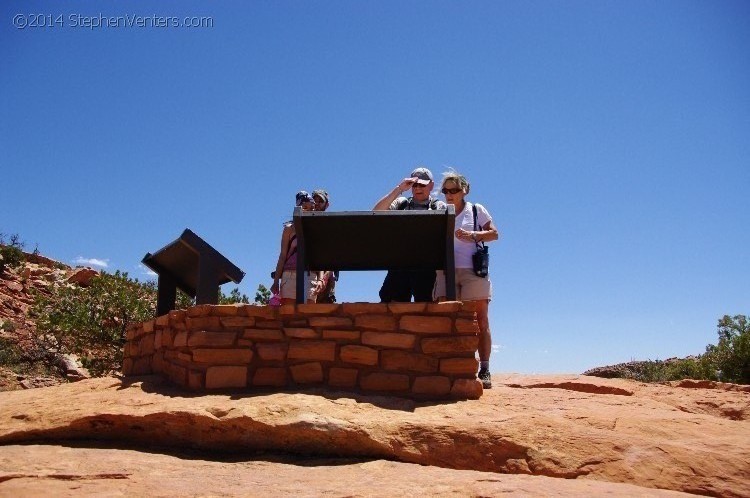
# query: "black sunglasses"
451,191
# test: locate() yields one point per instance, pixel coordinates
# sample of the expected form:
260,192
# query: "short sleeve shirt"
403,203
465,219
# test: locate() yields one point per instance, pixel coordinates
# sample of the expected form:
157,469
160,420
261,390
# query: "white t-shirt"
465,219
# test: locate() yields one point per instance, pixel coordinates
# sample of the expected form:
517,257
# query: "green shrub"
11,253
262,295
731,356
234,297
91,321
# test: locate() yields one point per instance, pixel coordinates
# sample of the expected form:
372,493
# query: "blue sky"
610,141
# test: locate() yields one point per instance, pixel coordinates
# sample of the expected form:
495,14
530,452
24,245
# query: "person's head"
454,187
320,197
305,201
421,188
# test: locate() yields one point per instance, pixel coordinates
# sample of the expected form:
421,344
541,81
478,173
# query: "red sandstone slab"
287,310
330,321
385,322
269,324
457,366
162,321
312,350
272,351
177,316
467,326
433,385
401,308
301,333
146,345
199,310
384,382
226,310
237,322
467,389
203,323
263,335
307,373
426,324
360,308
361,355
220,377
342,335
148,326
208,338
223,356
270,376
408,361
157,339
463,344
267,312
445,307
389,340
195,380
180,339
342,377
318,309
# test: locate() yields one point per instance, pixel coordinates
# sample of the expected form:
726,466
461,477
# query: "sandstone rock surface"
529,435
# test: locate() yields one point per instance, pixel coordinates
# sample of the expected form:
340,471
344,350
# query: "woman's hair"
457,178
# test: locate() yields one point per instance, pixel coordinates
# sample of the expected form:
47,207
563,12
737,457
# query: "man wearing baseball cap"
401,285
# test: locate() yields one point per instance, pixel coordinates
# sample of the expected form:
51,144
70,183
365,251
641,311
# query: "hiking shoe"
486,378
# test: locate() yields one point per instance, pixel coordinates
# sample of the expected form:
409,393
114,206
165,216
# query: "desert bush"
234,297
262,295
11,252
91,321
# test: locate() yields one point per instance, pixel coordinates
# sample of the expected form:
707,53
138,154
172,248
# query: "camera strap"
474,210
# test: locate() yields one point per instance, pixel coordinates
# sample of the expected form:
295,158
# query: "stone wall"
416,350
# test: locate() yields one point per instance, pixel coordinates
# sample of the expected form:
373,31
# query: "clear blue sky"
610,141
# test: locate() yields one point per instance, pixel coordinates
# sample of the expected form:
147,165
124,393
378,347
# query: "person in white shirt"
469,286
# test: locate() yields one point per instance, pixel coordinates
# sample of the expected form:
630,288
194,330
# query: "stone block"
269,324
270,376
237,322
444,307
180,339
318,309
244,343
132,332
199,310
208,338
472,306
148,327
463,344
287,309
263,335
467,326
307,373
385,322
167,338
312,350
295,322
162,321
361,308
177,316
331,321
226,309
272,351
157,339
226,377
459,366
157,362
342,335
301,333
342,377
389,339
379,381
361,355
401,308
223,356
267,312
433,385
426,324
195,380
146,345
134,348
467,389
184,357
176,373
204,323
127,366
405,360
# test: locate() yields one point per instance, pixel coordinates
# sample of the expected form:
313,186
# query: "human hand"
406,184
275,287
464,235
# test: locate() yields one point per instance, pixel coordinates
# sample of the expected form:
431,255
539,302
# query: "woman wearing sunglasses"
469,286
285,276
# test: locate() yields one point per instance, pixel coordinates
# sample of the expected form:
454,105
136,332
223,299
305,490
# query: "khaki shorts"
288,285
469,287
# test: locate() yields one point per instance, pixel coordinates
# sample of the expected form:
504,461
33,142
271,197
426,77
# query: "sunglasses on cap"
451,191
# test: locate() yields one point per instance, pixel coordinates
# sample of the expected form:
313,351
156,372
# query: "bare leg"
485,337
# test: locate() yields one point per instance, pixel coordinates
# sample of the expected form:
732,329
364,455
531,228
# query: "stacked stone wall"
416,350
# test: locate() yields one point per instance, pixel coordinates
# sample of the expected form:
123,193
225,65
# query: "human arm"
487,231
385,202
